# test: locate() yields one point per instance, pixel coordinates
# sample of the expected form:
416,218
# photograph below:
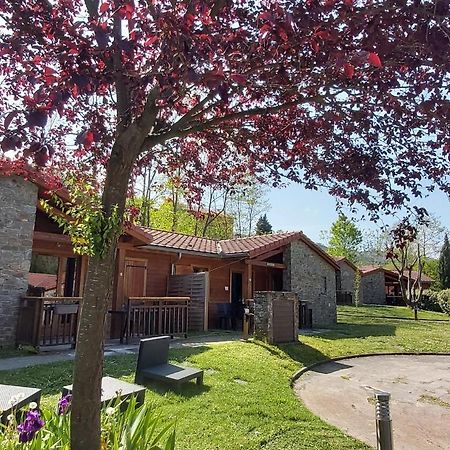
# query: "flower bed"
127,429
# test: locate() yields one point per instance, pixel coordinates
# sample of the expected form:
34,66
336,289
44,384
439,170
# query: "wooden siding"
196,287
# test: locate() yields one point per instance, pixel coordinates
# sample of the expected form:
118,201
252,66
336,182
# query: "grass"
425,398
247,402
10,352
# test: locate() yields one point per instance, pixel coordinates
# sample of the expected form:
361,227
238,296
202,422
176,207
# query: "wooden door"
135,283
283,327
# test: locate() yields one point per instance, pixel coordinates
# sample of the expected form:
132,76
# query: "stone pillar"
18,211
263,310
265,327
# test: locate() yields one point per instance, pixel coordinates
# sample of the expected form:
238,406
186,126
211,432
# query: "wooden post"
249,280
160,317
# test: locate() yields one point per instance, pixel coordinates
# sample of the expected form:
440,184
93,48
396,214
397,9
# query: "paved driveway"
341,393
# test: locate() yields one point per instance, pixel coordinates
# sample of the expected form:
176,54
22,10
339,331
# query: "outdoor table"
14,397
113,388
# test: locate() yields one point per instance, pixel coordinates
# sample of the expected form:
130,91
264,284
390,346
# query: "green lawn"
247,402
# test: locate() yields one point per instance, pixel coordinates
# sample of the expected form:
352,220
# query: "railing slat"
153,316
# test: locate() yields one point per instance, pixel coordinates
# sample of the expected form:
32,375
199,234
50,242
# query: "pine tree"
444,265
263,225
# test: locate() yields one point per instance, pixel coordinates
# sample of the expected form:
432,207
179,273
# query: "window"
324,284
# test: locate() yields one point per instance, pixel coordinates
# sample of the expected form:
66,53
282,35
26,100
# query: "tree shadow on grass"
188,390
52,377
303,353
297,351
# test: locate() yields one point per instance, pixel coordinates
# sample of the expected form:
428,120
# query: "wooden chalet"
382,286
165,282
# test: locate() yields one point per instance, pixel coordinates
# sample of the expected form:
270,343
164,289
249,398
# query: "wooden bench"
113,388
153,364
12,398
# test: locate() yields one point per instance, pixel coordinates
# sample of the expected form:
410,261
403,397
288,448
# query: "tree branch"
261,111
92,7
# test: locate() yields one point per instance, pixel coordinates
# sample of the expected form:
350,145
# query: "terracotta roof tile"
370,269
252,243
178,241
248,246
42,280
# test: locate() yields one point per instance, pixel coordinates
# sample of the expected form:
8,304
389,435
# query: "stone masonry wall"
18,210
263,310
372,287
347,277
313,279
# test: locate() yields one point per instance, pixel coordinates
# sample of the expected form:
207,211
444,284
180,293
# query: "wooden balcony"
48,321
156,316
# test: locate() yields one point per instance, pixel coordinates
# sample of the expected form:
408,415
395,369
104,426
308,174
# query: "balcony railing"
155,316
48,321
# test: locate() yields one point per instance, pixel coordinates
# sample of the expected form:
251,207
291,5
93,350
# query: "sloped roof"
251,246
365,270
369,269
42,280
343,259
254,245
179,241
48,182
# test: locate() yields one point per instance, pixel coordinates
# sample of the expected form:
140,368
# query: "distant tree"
407,255
444,265
263,225
345,239
246,203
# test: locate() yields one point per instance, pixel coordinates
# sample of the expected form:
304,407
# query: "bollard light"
383,421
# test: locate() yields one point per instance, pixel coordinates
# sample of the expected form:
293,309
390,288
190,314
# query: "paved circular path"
341,393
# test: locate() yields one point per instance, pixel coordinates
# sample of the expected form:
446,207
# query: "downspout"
172,267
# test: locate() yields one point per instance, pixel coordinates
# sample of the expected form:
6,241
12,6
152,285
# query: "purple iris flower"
33,423
64,404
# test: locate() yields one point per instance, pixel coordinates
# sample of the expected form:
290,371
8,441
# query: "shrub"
444,300
129,429
430,302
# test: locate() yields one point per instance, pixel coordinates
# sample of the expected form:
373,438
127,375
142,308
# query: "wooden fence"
155,316
196,287
48,321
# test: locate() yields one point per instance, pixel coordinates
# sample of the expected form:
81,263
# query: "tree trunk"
415,313
85,417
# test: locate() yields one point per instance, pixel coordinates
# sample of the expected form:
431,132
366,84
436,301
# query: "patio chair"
153,364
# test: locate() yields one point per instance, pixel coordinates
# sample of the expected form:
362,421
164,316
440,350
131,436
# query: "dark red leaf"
374,59
349,70
37,118
238,78
104,7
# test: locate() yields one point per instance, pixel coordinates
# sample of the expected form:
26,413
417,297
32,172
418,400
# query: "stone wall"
263,310
18,210
347,277
313,279
372,288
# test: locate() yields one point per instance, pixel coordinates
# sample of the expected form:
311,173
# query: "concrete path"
341,393
112,349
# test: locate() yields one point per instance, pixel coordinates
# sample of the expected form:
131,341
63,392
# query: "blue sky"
295,208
